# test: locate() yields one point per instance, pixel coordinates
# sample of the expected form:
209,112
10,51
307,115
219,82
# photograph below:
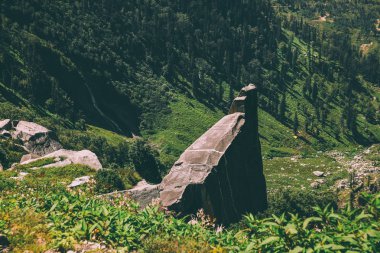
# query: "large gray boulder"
36,138
222,171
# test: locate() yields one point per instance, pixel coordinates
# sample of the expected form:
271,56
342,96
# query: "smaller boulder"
79,181
318,173
20,176
317,183
1,167
314,185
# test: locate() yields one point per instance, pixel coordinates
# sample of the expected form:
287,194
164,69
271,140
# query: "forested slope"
167,70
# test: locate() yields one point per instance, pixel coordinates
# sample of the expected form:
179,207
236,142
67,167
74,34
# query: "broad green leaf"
363,215
333,247
310,219
291,229
269,240
297,249
250,247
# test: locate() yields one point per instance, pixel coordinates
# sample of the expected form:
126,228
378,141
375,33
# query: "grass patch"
297,172
50,177
176,131
111,137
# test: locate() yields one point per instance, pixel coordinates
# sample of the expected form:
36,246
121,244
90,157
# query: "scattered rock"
318,173
87,246
342,184
20,176
84,157
13,166
360,167
317,183
79,181
28,157
1,167
314,185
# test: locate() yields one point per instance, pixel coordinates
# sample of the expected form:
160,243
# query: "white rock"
79,181
314,185
20,176
318,173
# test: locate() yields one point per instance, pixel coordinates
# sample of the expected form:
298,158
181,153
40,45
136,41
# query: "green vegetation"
168,79
108,181
61,220
297,172
176,131
98,73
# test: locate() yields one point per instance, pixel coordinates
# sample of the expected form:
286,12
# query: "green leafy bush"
108,181
121,224
6,183
298,201
143,158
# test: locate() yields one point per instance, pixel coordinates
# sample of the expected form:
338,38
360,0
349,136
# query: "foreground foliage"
61,220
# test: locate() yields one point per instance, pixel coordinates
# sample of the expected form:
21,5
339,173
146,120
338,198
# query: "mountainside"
99,99
167,70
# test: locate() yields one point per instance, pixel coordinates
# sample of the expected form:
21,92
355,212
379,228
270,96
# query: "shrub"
6,183
143,158
3,157
298,201
108,181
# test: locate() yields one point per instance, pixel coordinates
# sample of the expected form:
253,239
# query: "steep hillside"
167,70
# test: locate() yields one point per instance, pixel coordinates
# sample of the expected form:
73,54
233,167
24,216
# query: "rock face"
144,193
222,171
65,157
37,139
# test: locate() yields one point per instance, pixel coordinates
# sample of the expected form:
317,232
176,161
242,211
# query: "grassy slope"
190,119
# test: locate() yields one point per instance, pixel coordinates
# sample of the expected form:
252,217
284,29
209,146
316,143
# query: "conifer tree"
295,123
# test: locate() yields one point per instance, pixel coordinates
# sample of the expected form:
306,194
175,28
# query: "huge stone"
36,138
222,171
